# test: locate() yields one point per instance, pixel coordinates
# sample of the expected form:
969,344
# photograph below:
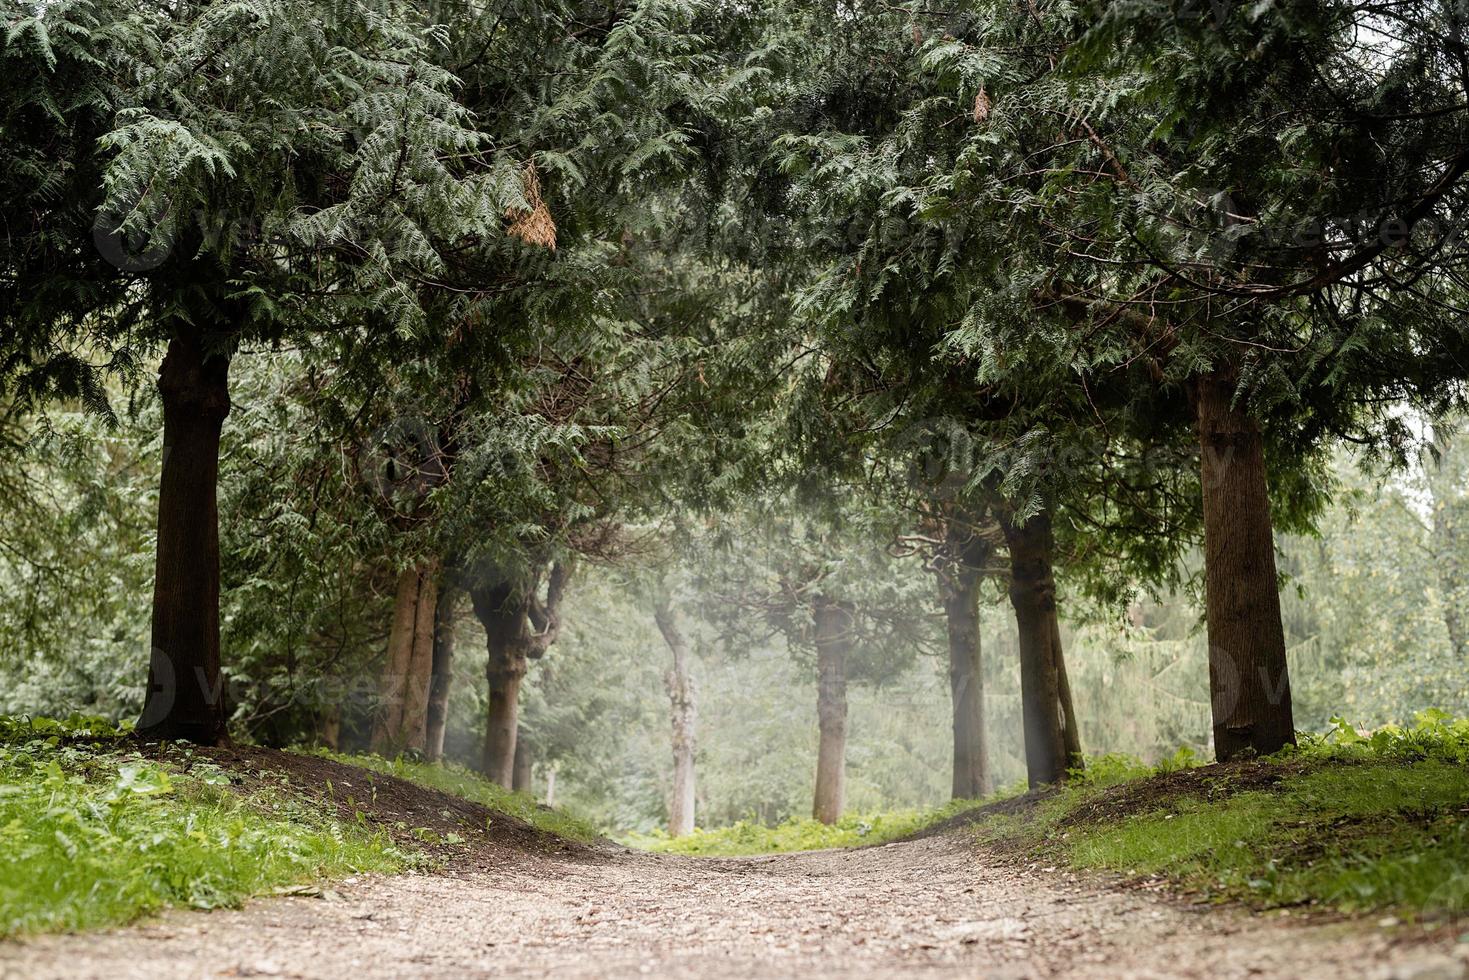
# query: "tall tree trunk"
443,674
503,614
959,584
1033,595
683,704
519,627
1070,728
1249,681
185,697
414,733
503,721
551,786
521,779
404,687
389,719
833,642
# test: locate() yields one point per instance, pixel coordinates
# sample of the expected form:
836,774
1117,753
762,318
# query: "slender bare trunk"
1033,595
959,584
1445,474
834,625
683,703
329,728
521,780
185,697
551,786
1249,681
443,674
1070,728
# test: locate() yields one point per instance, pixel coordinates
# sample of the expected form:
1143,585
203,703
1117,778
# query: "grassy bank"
1353,823
95,834
852,830
467,785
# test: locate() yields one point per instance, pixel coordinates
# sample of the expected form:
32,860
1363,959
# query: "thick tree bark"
959,580
443,674
502,614
506,669
683,704
421,667
521,780
1249,681
833,622
501,727
1033,595
389,719
185,697
403,691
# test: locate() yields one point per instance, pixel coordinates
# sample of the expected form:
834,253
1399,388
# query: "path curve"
938,907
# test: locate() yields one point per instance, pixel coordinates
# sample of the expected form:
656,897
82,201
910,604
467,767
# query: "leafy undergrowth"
852,830
460,782
93,833
1346,822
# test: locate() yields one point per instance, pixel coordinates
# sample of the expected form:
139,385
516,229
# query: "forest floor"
506,899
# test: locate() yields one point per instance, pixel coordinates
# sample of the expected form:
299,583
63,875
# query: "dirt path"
933,907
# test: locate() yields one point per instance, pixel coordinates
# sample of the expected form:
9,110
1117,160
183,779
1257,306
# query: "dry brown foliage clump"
534,226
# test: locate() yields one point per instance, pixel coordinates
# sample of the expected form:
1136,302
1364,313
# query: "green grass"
1353,824
461,782
93,834
852,830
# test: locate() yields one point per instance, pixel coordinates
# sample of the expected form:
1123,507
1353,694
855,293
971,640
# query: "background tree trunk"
521,780
959,582
329,728
1446,489
443,674
683,703
185,697
1249,682
833,641
1033,595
